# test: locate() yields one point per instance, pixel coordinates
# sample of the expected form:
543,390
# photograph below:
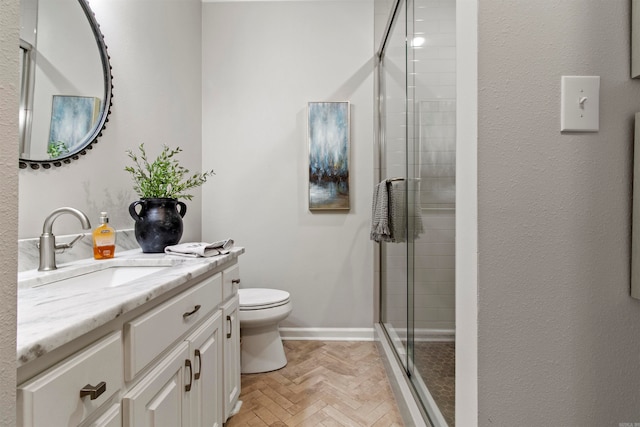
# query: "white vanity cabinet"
175,363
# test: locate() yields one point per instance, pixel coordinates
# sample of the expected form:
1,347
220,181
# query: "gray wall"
262,63
9,20
558,334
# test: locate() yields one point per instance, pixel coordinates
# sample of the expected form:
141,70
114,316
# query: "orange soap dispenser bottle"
104,239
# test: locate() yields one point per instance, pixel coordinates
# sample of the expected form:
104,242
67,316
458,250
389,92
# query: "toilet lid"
257,298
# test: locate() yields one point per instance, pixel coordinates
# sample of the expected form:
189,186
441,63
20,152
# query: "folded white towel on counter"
200,249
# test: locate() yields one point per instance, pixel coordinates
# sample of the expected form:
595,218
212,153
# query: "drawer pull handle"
197,374
93,392
189,313
230,326
235,281
187,364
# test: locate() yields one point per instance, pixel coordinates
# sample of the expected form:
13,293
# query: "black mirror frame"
106,104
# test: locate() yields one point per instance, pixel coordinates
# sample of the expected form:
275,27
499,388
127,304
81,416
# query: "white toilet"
261,310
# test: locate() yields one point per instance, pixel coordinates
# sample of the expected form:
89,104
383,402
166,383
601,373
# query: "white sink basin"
112,273
112,276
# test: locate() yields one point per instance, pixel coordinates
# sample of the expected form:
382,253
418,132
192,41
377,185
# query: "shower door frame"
405,362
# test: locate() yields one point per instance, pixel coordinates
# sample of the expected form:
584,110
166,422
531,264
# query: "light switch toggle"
580,99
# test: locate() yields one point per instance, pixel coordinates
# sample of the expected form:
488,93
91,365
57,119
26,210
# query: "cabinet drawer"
150,334
230,282
111,418
53,397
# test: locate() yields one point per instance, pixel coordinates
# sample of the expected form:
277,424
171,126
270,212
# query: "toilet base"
261,350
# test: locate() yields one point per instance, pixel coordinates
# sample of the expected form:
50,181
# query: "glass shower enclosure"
416,153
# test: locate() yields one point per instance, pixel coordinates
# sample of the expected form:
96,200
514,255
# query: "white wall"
156,56
9,88
262,63
558,333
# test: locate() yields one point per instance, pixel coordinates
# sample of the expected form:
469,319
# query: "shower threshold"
412,411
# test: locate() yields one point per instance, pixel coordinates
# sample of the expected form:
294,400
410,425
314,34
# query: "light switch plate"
580,109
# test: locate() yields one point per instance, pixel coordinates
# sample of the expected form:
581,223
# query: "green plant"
164,177
56,149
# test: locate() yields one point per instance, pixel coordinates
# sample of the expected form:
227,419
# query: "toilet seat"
261,298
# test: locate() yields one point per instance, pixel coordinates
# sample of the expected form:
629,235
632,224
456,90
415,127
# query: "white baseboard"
423,334
360,334
327,334
434,334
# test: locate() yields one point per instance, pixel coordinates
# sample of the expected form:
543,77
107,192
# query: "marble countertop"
53,314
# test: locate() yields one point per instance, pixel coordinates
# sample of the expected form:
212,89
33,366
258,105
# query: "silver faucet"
48,240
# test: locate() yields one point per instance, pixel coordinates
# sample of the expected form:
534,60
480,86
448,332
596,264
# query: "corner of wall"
467,214
9,40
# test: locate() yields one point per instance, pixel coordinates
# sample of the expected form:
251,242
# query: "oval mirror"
66,82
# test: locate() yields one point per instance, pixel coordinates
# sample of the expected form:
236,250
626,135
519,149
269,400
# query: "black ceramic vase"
158,224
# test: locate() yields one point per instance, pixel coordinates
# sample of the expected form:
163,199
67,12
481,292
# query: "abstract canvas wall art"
329,147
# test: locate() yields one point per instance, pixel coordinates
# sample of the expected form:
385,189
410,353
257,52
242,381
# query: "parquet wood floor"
325,383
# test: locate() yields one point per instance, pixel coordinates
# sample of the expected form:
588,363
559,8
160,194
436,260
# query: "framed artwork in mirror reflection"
72,119
329,146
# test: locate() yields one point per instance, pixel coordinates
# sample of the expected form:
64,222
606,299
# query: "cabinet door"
206,357
231,354
160,399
